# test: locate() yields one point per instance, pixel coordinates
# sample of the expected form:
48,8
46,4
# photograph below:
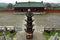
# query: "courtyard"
18,19
46,20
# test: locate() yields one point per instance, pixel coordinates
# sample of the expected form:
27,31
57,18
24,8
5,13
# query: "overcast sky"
13,1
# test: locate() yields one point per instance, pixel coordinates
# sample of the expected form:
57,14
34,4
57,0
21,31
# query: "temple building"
24,6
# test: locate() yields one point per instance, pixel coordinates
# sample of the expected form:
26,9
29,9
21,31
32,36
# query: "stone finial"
29,10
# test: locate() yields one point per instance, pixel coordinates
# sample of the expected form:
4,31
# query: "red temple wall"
55,11
25,10
7,10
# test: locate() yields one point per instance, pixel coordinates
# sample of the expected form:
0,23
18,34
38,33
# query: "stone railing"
10,28
49,29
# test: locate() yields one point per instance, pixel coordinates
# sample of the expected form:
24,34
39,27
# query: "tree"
10,6
48,6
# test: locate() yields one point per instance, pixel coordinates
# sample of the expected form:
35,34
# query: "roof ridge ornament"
29,1
16,2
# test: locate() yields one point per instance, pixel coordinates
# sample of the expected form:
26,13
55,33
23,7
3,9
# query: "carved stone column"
29,26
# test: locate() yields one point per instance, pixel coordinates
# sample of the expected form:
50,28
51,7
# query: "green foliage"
48,5
10,34
58,33
1,33
48,35
10,5
52,33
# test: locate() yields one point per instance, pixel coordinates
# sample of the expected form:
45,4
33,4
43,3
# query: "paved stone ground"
10,19
47,20
36,36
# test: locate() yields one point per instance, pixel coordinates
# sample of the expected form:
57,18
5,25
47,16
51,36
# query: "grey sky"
13,1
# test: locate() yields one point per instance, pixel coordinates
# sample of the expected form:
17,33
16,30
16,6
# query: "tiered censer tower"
29,26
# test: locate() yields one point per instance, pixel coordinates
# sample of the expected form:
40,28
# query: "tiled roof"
29,4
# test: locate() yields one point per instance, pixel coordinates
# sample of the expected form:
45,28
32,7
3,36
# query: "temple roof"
29,4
